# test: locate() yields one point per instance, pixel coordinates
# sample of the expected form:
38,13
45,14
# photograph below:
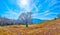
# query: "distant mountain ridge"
36,21
9,21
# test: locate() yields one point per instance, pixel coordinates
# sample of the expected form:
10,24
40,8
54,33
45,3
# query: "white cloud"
11,12
44,15
11,15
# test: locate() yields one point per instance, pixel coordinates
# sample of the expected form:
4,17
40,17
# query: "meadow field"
45,28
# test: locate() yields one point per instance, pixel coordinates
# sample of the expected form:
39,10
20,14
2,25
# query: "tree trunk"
26,24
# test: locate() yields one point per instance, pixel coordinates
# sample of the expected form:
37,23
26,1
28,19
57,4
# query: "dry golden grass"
46,28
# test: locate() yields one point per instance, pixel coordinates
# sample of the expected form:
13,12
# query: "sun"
23,3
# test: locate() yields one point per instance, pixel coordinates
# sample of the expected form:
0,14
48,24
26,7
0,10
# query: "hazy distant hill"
36,21
5,21
10,21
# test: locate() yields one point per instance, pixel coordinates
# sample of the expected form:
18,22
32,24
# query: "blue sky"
41,9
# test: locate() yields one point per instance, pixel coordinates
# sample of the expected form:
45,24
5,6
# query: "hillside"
46,28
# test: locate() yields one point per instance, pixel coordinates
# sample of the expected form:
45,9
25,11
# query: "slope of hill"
45,28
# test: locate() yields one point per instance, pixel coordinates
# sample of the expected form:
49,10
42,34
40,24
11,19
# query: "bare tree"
26,18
